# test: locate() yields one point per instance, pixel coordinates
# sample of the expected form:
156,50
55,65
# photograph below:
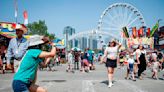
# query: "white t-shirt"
154,55
155,65
70,57
131,61
57,60
112,52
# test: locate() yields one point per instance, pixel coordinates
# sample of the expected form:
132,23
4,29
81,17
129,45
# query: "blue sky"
80,14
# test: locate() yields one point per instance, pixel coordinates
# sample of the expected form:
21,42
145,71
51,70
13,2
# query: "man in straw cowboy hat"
25,78
17,47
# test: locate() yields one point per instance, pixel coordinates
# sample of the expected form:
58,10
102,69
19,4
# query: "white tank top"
112,52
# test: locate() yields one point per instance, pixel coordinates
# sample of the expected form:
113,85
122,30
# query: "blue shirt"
28,66
17,48
85,55
90,55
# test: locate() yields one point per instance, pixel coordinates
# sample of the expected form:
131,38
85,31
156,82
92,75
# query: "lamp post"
66,50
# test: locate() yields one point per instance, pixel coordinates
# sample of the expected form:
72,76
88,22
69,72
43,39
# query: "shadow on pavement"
53,81
154,79
106,82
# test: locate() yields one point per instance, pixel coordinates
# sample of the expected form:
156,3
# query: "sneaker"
140,78
110,85
126,78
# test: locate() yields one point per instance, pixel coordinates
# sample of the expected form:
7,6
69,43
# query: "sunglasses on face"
18,30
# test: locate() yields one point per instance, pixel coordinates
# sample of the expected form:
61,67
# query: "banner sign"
134,42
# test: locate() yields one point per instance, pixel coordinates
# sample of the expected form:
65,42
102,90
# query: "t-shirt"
28,66
76,56
90,55
112,52
85,55
155,65
154,55
70,57
130,60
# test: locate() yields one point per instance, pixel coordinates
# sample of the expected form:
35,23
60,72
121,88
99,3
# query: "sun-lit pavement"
96,81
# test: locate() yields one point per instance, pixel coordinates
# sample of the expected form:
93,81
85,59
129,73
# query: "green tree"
51,36
39,28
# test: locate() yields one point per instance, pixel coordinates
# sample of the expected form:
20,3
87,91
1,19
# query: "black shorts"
121,62
111,63
162,65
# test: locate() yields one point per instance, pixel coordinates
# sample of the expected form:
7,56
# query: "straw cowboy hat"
21,27
113,40
35,40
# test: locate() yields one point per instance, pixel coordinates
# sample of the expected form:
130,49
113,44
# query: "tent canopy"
7,29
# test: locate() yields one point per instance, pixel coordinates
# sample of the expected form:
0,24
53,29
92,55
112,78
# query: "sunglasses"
19,30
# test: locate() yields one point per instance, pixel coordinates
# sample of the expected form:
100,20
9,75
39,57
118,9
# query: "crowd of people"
24,56
83,61
139,60
136,62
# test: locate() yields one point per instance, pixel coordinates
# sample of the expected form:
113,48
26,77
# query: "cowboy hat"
113,40
35,40
21,27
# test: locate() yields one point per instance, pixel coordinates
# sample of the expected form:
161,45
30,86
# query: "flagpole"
16,11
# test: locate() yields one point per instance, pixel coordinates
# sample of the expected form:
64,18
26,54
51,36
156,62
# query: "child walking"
70,62
130,69
155,68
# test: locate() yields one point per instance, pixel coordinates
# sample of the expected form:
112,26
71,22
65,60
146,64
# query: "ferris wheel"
120,15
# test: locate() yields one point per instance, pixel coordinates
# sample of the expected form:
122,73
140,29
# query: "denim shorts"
19,86
131,67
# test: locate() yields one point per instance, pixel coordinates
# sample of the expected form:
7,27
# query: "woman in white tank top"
111,53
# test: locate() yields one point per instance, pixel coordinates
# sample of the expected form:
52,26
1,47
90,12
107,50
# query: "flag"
139,33
125,31
25,17
134,32
154,29
148,32
141,30
16,8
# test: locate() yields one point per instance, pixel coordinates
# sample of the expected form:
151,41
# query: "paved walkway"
96,81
